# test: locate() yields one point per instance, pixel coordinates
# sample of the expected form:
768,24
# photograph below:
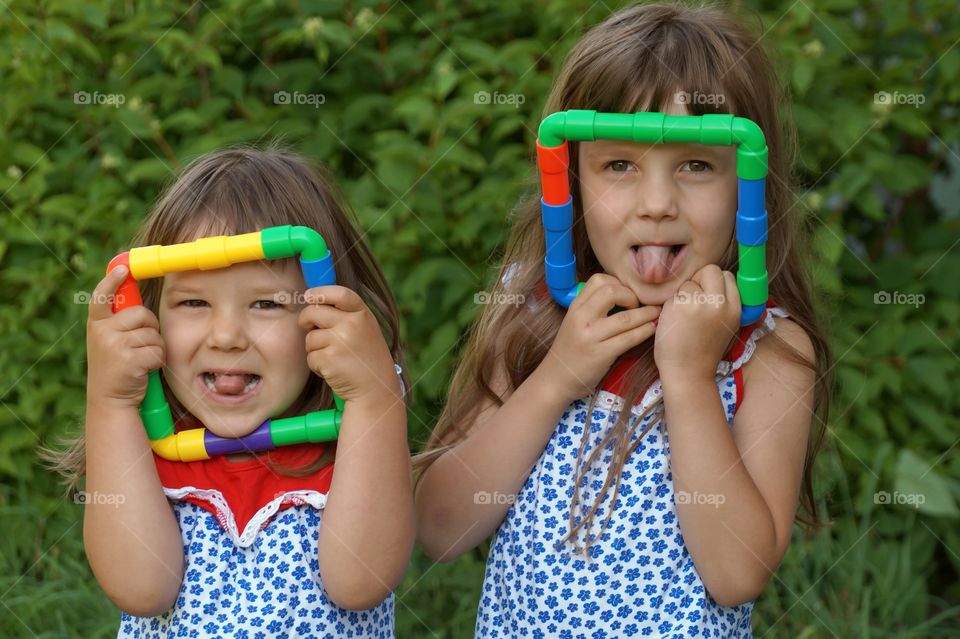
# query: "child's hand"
122,348
589,341
345,346
698,325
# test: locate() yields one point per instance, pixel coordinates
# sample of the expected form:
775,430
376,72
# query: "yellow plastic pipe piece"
205,254
184,446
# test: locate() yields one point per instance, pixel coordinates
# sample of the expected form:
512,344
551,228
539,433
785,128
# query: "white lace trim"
225,515
611,402
768,326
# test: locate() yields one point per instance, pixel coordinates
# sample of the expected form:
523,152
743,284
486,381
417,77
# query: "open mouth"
656,263
230,386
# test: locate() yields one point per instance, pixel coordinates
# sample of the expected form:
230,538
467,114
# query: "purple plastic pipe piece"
256,441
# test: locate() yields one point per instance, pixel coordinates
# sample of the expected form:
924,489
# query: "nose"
227,330
655,196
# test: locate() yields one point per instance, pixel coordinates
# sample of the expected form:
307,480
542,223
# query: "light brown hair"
243,190
637,60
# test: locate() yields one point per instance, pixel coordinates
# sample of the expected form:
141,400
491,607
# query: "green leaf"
919,484
803,71
149,170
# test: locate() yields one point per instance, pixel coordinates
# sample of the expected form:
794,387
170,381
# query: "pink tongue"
653,263
230,384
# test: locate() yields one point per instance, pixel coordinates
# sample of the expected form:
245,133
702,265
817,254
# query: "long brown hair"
636,60
243,190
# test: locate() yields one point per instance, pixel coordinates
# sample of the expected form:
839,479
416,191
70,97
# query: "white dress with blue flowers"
260,582
639,578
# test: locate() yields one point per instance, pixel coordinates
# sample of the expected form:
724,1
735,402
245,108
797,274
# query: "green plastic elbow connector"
290,241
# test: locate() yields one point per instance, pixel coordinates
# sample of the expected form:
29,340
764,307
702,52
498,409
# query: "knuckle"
596,279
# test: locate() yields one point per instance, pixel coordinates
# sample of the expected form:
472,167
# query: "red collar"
246,485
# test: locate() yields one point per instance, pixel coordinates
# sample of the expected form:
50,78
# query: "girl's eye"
619,166
267,304
193,303
698,166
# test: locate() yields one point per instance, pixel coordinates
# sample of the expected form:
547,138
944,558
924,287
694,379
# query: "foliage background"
433,174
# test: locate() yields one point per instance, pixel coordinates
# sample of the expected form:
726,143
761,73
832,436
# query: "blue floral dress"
251,563
639,578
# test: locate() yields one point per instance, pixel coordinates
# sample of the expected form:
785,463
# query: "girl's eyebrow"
180,288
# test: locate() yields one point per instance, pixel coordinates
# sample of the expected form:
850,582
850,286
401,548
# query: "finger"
144,337
141,361
624,321
135,317
101,300
609,295
593,283
340,297
688,293
154,357
632,338
321,316
317,340
710,279
730,289
317,361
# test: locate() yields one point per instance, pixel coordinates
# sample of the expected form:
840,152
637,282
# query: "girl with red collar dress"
307,540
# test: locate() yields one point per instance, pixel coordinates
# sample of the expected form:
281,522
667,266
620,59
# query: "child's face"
235,353
671,194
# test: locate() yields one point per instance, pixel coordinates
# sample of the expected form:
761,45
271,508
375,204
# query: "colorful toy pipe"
220,252
556,204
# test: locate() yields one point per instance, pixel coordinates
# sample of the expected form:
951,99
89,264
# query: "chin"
230,428
654,294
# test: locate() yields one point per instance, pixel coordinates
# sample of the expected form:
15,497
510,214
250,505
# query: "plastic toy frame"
553,160
214,253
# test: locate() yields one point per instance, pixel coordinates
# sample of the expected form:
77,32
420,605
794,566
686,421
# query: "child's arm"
130,532
739,485
465,494
367,531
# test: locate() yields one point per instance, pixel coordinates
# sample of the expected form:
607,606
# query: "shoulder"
781,348
783,366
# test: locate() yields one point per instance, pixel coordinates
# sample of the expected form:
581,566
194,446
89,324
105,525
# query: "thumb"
101,300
